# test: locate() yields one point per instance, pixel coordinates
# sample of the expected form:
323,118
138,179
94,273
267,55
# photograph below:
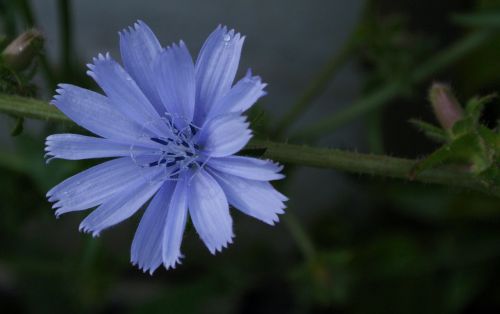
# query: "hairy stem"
368,164
30,108
375,165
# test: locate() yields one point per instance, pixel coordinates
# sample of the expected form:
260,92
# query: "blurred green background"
348,243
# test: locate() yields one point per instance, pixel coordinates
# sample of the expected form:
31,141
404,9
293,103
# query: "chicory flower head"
173,128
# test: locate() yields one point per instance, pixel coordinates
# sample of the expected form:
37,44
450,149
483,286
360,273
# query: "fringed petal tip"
87,229
49,155
225,31
48,158
145,268
180,44
173,264
227,35
254,78
220,247
60,211
137,26
96,61
151,268
60,93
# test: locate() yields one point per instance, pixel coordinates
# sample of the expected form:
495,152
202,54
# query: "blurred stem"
316,87
92,246
376,165
375,132
383,95
26,12
66,29
8,19
29,19
299,235
482,19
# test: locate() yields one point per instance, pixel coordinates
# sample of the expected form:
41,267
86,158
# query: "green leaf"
482,20
431,131
466,149
475,106
18,128
462,127
491,138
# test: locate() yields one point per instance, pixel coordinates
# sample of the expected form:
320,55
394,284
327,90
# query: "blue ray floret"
172,128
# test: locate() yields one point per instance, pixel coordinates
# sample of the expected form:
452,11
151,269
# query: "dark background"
348,243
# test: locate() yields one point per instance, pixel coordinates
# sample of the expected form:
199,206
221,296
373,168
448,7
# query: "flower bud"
21,51
446,107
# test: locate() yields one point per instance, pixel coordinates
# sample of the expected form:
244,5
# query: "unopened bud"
446,107
21,51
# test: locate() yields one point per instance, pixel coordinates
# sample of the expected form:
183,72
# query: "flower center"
177,152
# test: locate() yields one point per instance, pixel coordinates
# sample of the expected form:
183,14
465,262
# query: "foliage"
377,245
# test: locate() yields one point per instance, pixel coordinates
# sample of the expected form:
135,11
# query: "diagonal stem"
316,87
382,96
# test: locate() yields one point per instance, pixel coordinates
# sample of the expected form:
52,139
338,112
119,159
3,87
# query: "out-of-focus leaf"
475,106
476,20
18,127
431,131
327,280
462,150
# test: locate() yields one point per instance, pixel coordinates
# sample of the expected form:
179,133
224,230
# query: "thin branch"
316,87
66,29
382,96
376,165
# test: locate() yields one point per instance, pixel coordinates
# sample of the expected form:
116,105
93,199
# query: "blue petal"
95,113
176,84
175,223
247,167
119,207
75,147
243,95
224,135
93,186
146,251
124,93
216,68
139,48
255,198
209,211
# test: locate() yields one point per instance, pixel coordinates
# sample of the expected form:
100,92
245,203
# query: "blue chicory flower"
172,127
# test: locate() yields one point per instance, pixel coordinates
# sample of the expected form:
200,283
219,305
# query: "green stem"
299,235
30,108
316,87
66,29
27,14
382,96
7,15
375,165
368,164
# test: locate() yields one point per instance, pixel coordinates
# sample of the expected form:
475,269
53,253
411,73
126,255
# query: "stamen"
159,141
177,153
